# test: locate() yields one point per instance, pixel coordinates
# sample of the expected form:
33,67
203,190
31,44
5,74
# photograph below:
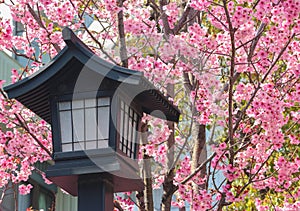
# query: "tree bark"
168,185
123,49
148,194
146,197
199,151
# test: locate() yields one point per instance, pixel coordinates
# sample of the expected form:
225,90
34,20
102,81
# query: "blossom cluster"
235,69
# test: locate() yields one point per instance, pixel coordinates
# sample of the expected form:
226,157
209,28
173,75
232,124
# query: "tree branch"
123,50
261,82
183,19
255,40
32,135
199,168
40,23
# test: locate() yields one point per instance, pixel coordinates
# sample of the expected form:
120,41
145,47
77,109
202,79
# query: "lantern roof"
35,90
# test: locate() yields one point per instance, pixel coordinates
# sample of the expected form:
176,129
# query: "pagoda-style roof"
34,91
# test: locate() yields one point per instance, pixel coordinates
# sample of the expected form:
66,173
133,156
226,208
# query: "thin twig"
40,23
32,135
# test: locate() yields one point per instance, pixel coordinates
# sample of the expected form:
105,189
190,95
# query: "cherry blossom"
234,67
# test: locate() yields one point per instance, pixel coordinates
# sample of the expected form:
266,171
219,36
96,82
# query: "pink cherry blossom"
25,189
235,70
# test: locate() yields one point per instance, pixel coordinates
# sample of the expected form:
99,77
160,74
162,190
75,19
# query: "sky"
4,11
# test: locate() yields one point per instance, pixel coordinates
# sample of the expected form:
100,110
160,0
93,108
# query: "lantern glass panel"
121,129
102,144
103,101
128,129
66,126
90,103
103,122
67,147
65,106
78,146
84,124
78,124
90,124
77,104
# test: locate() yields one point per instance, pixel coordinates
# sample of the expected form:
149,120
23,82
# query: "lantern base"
103,163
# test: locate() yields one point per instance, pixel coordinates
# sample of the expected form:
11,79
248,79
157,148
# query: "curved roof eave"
31,87
92,61
36,79
75,48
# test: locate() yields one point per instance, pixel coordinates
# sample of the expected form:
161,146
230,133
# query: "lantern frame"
59,80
